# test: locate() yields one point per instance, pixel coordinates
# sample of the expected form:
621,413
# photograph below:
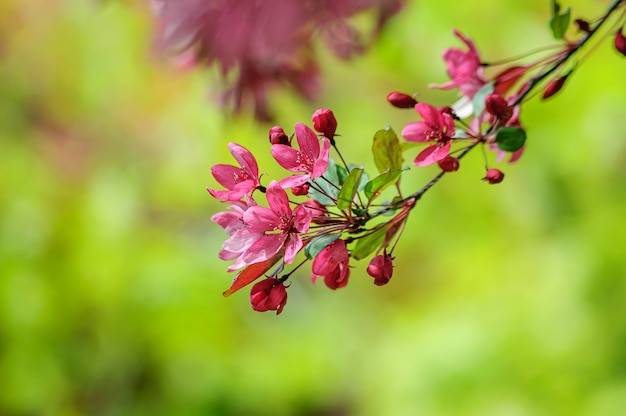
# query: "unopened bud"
449,164
324,122
401,100
381,269
620,41
278,136
555,86
583,25
498,107
494,176
300,190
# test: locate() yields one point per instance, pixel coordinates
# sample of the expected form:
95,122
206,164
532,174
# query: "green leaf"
478,102
366,245
349,188
510,139
342,174
387,150
374,187
556,7
559,23
318,244
329,176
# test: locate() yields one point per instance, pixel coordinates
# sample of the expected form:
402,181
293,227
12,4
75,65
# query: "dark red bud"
300,190
324,122
278,136
494,176
497,106
583,25
381,269
506,79
401,100
268,295
449,164
620,41
555,86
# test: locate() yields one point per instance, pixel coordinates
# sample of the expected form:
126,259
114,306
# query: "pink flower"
381,269
268,295
240,237
309,159
332,264
401,100
464,68
494,176
238,181
260,44
324,121
437,126
278,225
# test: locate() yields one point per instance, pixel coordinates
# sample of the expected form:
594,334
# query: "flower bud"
278,136
324,122
401,100
381,269
498,107
583,25
620,41
555,86
494,176
449,164
268,295
300,190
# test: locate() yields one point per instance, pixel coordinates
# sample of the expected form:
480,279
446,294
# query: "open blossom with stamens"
464,68
279,226
310,159
239,181
437,126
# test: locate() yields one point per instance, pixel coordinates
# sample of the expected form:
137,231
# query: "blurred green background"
506,300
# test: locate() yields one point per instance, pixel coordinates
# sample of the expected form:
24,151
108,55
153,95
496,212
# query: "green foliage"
386,150
510,139
478,103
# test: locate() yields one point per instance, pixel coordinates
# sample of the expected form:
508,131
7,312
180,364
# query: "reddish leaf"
251,273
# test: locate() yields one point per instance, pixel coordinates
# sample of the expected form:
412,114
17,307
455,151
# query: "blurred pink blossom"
264,42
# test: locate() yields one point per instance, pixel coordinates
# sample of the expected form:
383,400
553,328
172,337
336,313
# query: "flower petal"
264,248
307,140
278,200
287,157
244,158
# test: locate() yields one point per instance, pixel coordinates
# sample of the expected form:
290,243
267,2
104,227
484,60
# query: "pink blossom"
464,68
268,295
279,226
332,264
241,238
260,44
309,159
238,181
381,269
324,121
494,176
438,127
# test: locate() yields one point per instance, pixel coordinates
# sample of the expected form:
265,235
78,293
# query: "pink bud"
324,122
555,86
381,269
300,190
401,100
449,164
494,176
620,41
268,295
278,136
497,106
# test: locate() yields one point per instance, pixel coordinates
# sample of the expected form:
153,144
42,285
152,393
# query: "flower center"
241,175
305,160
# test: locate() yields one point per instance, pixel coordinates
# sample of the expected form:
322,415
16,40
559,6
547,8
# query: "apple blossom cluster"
328,213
